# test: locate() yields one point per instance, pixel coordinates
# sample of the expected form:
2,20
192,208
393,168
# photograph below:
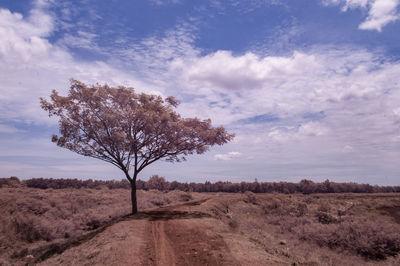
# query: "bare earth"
174,235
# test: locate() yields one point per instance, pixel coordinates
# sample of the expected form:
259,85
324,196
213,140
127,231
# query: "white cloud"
151,56
348,148
380,12
8,129
284,134
249,85
31,66
164,2
281,134
21,39
312,129
249,71
397,112
357,90
82,39
227,156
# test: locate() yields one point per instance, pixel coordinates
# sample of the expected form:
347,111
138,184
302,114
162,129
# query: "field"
91,226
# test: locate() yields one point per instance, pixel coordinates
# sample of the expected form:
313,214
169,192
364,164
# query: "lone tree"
127,129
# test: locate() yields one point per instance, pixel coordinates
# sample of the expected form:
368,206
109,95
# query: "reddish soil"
179,239
175,235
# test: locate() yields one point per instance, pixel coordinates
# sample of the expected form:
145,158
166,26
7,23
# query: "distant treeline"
159,183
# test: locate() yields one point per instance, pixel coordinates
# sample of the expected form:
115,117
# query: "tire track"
164,253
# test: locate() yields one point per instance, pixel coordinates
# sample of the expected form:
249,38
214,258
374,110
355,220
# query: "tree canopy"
127,129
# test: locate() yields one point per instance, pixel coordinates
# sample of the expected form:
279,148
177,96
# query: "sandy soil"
175,235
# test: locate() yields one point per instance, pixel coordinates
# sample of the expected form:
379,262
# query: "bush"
301,210
371,239
93,223
325,218
250,198
10,182
233,224
186,197
32,229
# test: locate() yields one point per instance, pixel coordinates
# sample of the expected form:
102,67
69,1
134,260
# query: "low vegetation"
308,229
315,229
32,218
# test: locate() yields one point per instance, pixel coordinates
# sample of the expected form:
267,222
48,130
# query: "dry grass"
318,229
321,229
32,218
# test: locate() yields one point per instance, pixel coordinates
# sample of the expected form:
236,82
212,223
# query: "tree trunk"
133,197
132,181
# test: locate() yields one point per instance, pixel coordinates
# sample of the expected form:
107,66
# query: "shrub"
31,229
233,224
271,206
10,182
301,209
325,218
374,240
250,198
186,197
93,223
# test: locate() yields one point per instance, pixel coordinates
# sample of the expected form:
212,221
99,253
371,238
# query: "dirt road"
182,238
175,235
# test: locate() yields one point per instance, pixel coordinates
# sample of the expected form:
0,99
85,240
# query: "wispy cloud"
8,129
323,107
380,12
245,6
32,66
152,55
227,156
81,39
165,2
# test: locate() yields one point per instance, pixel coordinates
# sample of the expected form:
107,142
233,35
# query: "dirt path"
178,235
185,242
163,253
175,235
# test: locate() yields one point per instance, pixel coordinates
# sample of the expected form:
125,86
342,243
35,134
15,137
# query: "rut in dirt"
164,213
179,238
180,242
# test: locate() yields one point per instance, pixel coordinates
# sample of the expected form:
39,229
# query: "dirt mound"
244,229
183,234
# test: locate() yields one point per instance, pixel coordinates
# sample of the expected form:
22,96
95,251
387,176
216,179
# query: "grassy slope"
31,218
319,229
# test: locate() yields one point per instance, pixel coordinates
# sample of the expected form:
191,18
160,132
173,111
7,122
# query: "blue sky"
310,87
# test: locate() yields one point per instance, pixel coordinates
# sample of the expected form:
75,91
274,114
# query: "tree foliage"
159,183
127,129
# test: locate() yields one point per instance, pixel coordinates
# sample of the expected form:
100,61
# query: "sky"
311,88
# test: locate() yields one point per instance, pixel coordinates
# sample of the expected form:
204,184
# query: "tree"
157,182
127,129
